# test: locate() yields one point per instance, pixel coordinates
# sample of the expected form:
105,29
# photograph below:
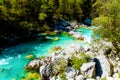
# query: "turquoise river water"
13,61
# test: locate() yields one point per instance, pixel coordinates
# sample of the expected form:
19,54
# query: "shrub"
77,61
65,33
60,65
42,16
46,27
63,76
32,76
103,79
119,75
101,20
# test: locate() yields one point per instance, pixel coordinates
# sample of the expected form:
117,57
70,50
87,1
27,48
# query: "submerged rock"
31,56
56,38
54,49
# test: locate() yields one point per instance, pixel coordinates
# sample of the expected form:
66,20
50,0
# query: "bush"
101,21
46,27
42,16
32,76
65,33
103,79
60,65
77,61
119,75
63,76
110,21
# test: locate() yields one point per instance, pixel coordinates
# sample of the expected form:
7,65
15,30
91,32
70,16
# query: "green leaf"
42,16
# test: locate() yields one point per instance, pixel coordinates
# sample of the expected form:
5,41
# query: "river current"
13,59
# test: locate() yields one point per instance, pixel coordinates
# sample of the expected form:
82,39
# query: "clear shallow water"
12,60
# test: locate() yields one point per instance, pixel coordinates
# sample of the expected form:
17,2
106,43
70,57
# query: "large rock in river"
53,68
34,65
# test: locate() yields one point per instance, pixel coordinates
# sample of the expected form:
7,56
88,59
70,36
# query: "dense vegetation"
38,14
27,17
109,20
77,61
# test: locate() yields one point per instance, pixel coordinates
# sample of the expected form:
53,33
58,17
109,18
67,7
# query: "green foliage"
103,79
46,27
110,21
119,75
34,16
65,33
63,76
32,76
35,10
101,21
3,12
1,1
42,57
60,65
77,61
40,9
42,16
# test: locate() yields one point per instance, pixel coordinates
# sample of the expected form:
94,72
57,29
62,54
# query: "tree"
109,19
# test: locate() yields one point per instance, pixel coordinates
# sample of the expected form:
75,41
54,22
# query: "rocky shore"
98,62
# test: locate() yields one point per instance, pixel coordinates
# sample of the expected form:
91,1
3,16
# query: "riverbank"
58,49
98,62
14,38
21,53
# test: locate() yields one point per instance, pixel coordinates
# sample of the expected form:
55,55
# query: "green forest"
33,14
29,17
21,18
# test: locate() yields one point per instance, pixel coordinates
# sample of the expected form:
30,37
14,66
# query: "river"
13,61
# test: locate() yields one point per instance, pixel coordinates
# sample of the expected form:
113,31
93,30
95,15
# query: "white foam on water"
19,56
87,39
13,59
3,62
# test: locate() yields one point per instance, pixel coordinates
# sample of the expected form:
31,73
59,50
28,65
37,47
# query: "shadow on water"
98,67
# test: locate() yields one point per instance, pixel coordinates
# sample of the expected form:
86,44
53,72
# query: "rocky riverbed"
98,62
